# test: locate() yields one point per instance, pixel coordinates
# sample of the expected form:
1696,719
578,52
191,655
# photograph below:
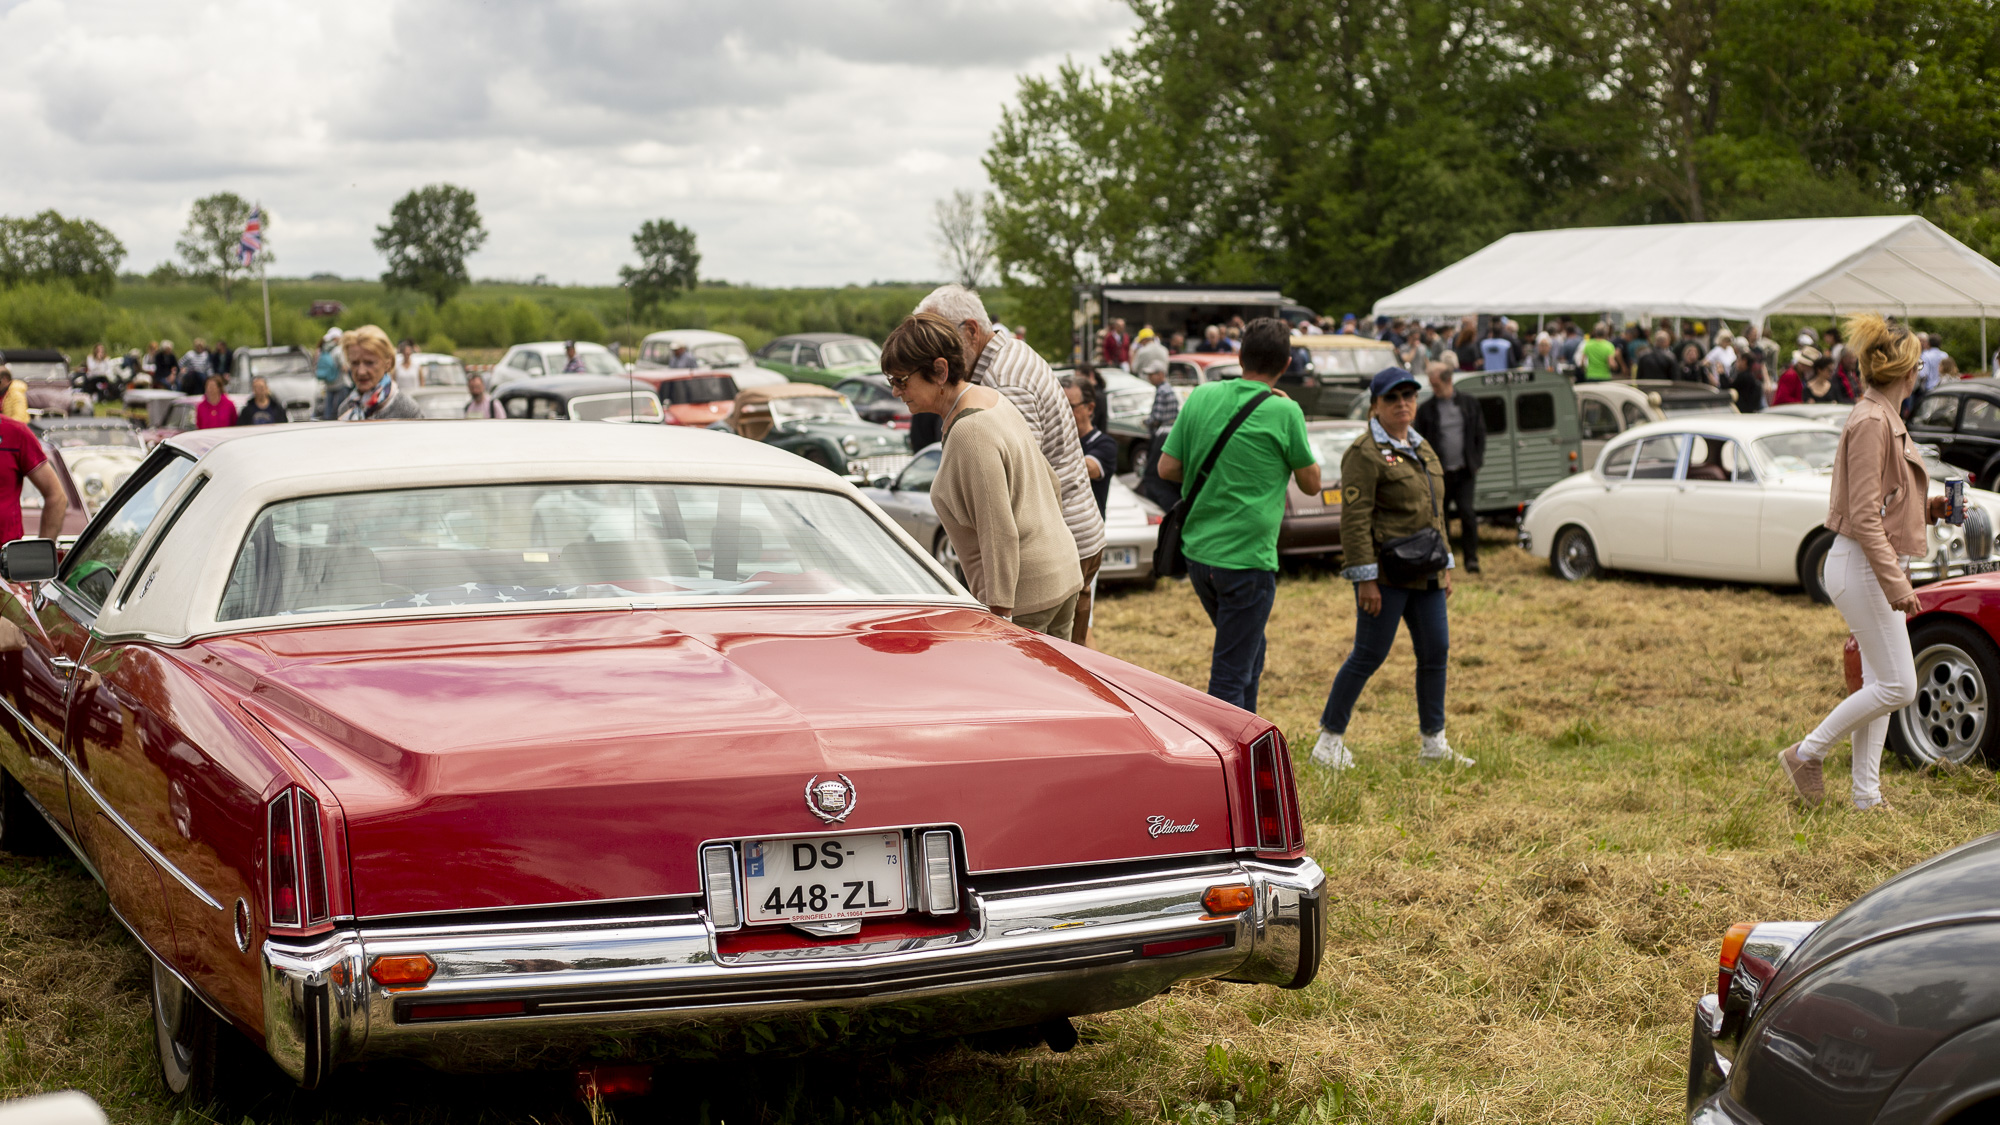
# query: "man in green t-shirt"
1230,538
1597,353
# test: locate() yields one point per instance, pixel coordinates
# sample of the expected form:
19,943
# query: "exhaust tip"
1059,1034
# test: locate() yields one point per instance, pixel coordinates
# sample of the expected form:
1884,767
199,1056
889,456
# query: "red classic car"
361,729
1955,637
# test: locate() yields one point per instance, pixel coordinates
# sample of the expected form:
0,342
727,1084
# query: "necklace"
952,410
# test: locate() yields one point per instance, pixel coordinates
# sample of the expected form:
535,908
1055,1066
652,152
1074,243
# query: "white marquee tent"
1899,265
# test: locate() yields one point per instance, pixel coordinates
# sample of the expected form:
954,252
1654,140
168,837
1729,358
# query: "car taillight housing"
1274,798
295,850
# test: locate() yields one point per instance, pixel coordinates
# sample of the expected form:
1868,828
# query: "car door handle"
63,664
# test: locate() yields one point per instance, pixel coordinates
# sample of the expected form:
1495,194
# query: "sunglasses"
898,382
1401,394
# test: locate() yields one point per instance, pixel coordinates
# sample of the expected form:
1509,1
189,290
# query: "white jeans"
1888,670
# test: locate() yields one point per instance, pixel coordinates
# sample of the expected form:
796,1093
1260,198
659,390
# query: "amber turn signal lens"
1732,948
1232,899
402,970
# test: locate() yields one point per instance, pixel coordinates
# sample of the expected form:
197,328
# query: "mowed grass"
1519,941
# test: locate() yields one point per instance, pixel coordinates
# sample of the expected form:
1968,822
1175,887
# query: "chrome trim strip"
63,835
618,605
111,814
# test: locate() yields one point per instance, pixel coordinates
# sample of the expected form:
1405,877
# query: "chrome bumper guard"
1709,1057
533,995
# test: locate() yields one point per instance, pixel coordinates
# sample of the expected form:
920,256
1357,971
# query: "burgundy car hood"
569,757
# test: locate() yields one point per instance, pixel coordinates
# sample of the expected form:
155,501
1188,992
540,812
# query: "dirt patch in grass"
1520,941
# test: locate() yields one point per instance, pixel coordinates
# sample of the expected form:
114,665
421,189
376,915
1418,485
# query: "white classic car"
1736,497
1131,522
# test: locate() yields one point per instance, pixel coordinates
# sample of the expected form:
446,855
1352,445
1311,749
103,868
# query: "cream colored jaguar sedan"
1738,497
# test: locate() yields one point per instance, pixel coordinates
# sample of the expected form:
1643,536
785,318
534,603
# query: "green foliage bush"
441,344
526,321
52,315
580,324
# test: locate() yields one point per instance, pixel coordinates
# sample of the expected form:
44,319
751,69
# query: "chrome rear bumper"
645,988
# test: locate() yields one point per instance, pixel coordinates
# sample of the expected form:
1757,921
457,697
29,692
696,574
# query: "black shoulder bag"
1420,554
1168,562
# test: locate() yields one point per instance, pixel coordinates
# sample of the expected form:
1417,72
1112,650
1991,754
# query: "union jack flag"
253,236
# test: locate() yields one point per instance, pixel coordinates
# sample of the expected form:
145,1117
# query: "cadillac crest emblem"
831,800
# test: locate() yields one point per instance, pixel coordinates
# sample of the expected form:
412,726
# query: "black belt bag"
1168,562
1409,559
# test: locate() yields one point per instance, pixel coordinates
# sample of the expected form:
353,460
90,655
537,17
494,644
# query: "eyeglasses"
898,382
1401,394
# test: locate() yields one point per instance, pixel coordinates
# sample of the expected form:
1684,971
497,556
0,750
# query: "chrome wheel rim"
1574,556
1948,721
947,556
169,1011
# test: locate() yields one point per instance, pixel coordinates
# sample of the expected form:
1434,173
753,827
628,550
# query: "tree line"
1345,150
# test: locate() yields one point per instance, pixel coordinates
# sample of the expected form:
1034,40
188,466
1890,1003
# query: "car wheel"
199,1054
1952,719
947,556
1988,478
1572,555
22,829
1141,454
1812,567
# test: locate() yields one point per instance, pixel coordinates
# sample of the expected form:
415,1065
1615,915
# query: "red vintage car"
597,742
1955,637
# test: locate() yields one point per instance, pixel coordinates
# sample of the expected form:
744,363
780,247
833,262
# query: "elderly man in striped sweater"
1011,367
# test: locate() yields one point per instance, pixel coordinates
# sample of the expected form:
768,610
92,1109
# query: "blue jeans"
1238,603
1430,635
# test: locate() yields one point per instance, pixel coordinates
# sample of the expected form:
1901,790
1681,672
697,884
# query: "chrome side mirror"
882,482
28,560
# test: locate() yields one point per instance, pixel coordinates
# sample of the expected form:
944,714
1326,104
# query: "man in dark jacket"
1658,362
1456,427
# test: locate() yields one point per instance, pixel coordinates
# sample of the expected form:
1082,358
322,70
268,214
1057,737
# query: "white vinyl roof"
1137,296
1898,265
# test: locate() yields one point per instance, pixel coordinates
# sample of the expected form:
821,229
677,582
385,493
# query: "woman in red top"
215,408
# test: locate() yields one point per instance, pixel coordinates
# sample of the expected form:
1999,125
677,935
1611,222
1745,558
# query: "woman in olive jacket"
1877,508
1392,485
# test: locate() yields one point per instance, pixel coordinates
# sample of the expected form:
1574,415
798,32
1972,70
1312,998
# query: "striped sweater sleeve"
1013,369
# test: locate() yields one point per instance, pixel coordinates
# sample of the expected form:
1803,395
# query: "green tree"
208,243
50,248
1970,212
431,232
668,263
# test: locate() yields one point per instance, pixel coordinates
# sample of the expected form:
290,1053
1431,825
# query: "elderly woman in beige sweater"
995,493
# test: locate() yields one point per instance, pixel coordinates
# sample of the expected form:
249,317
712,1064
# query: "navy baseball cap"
1348,317
1388,379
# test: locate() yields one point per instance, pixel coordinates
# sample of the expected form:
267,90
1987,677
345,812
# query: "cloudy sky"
804,141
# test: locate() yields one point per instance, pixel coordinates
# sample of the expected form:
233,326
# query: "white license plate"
1119,558
824,878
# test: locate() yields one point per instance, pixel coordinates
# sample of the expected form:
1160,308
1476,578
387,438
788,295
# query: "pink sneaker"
1804,774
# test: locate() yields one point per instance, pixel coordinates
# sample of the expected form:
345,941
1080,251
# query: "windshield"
594,363
1329,446
70,437
442,373
1806,452
538,543
630,406
699,389
39,372
1352,361
849,352
721,355
813,410
272,366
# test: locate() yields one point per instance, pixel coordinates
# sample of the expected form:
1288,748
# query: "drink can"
1954,495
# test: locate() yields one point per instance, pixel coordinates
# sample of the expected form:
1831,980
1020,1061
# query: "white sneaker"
1438,752
1331,752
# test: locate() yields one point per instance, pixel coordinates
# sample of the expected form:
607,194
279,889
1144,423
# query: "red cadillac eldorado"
514,745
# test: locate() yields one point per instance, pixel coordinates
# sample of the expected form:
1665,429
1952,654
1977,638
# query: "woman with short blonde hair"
1877,509
370,360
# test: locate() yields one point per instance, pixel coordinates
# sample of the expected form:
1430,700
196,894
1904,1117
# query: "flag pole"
266,283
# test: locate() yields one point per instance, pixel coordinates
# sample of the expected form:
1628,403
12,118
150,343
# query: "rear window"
1493,408
698,389
436,548
1535,411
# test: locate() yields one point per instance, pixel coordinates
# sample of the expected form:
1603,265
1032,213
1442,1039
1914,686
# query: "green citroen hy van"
1532,436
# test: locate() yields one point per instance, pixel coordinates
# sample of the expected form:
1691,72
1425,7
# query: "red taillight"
1732,948
284,850
1274,799
296,848
470,1011
1183,945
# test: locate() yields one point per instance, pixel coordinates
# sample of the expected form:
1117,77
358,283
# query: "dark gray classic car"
1889,1012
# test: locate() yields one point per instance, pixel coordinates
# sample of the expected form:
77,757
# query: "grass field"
1521,941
